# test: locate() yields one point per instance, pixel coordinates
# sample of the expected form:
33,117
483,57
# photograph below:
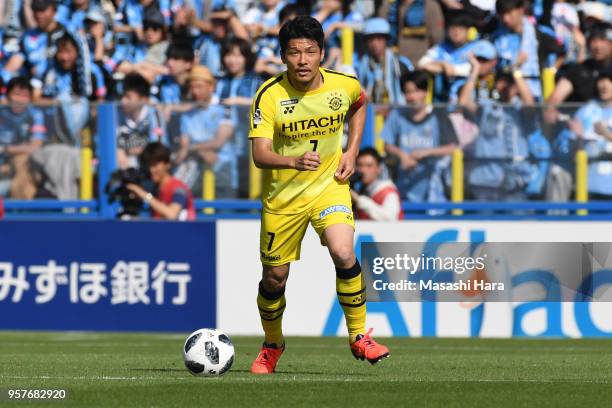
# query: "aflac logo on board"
583,318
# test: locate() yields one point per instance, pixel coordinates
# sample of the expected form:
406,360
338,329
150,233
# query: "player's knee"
274,278
343,255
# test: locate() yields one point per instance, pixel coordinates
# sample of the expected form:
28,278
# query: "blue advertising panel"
107,275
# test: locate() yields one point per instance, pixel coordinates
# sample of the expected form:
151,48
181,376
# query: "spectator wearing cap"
97,37
38,45
379,70
521,45
172,88
486,55
449,60
576,82
149,57
140,122
206,139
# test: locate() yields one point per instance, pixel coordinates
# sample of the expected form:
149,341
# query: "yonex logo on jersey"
288,109
333,209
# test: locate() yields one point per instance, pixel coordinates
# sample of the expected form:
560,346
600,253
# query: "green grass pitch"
133,370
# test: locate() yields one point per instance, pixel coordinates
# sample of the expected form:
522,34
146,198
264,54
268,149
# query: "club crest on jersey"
333,209
334,101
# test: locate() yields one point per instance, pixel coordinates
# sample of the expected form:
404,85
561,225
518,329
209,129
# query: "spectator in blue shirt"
421,139
22,132
173,87
485,54
522,45
593,124
498,161
239,83
139,122
38,45
224,26
206,133
262,22
149,57
64,80
449,59
269,61
380,69
72,80
334,15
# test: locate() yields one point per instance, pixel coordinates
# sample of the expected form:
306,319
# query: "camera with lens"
355,179
116,188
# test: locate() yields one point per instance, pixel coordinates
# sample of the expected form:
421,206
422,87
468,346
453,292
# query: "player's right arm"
265,158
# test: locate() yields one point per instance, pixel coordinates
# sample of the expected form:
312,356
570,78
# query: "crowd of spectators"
185,71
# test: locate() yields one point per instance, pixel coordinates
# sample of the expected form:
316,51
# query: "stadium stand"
526,87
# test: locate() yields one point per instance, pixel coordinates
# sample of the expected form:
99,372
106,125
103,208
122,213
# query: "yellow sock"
271,307
352,298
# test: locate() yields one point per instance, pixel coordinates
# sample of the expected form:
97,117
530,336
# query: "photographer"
173,200
377,199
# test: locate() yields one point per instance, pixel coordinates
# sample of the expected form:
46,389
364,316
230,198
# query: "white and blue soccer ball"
208,353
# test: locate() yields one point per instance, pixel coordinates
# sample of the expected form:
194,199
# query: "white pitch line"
307,379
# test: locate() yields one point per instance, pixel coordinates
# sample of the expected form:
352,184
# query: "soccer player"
297,121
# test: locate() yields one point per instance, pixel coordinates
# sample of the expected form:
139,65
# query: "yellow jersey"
298,122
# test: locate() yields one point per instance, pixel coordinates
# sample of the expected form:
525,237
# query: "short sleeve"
180,196
262,116
354,90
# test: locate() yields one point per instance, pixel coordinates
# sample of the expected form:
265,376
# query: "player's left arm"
356,122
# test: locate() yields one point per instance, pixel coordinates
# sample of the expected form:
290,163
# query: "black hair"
301,27
505,75
288,10
419,78
459,18
180,50
370,151
19,82
599,30
245,49
136,83
605,74
504,6
154,153
67,39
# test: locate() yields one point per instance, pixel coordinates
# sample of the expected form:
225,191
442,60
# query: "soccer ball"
208,353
